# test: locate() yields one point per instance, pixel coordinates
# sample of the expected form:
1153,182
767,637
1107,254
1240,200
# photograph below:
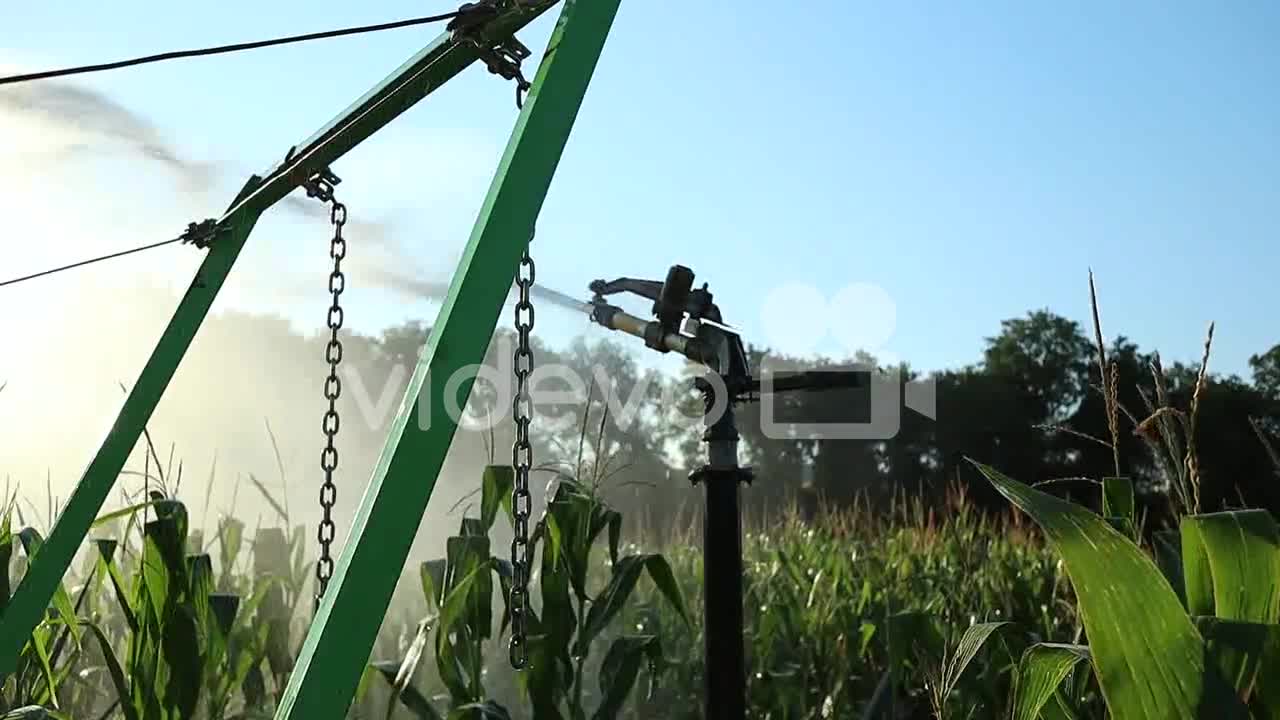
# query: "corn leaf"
559,621
6,556
506,575
620,669
230,541
665,580
603,517
271,559
1117,498
115,671
452,636
1118,504
495,493
122,512
1041,671
181,648
432,574
626,572
1231,564
1149,658
32,712
487,710
1266,697
223,607
200,577
972,641
106,557
409,664
1057,709
271,499
412,700
31,541
40,646
1246,654
156,574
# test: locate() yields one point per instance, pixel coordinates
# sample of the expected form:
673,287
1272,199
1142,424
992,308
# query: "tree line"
1032,405
1029,405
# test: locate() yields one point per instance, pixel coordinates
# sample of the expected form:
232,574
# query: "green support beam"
439,62
342,635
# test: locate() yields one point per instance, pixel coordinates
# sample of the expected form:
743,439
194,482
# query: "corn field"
926,612
932,609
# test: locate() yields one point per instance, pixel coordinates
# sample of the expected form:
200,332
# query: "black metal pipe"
726,668
725,671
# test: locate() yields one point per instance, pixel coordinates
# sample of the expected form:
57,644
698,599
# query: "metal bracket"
321,185
503,58
471,17
704,474
504,61
200,234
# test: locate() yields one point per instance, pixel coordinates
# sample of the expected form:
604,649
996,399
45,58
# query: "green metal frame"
326,678
342,635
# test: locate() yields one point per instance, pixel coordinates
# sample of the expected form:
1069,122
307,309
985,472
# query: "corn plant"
49,655
1202,643
171,646
458,590
850,615
574,617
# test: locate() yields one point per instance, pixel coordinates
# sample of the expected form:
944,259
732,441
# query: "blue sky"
973,160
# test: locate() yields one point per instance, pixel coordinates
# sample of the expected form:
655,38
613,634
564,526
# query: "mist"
70,123
89,121
241,419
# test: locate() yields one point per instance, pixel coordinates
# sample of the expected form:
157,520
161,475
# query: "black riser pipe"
722,596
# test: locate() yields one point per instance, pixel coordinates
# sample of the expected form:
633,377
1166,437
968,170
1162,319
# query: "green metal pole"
342,635
27,607
430,68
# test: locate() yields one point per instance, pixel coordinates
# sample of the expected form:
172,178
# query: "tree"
1046,357
1266,372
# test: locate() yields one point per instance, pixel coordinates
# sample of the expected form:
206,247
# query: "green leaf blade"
1149,658
1231,564
1041,671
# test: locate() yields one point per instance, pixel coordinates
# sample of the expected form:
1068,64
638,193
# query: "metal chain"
521,462
332,390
